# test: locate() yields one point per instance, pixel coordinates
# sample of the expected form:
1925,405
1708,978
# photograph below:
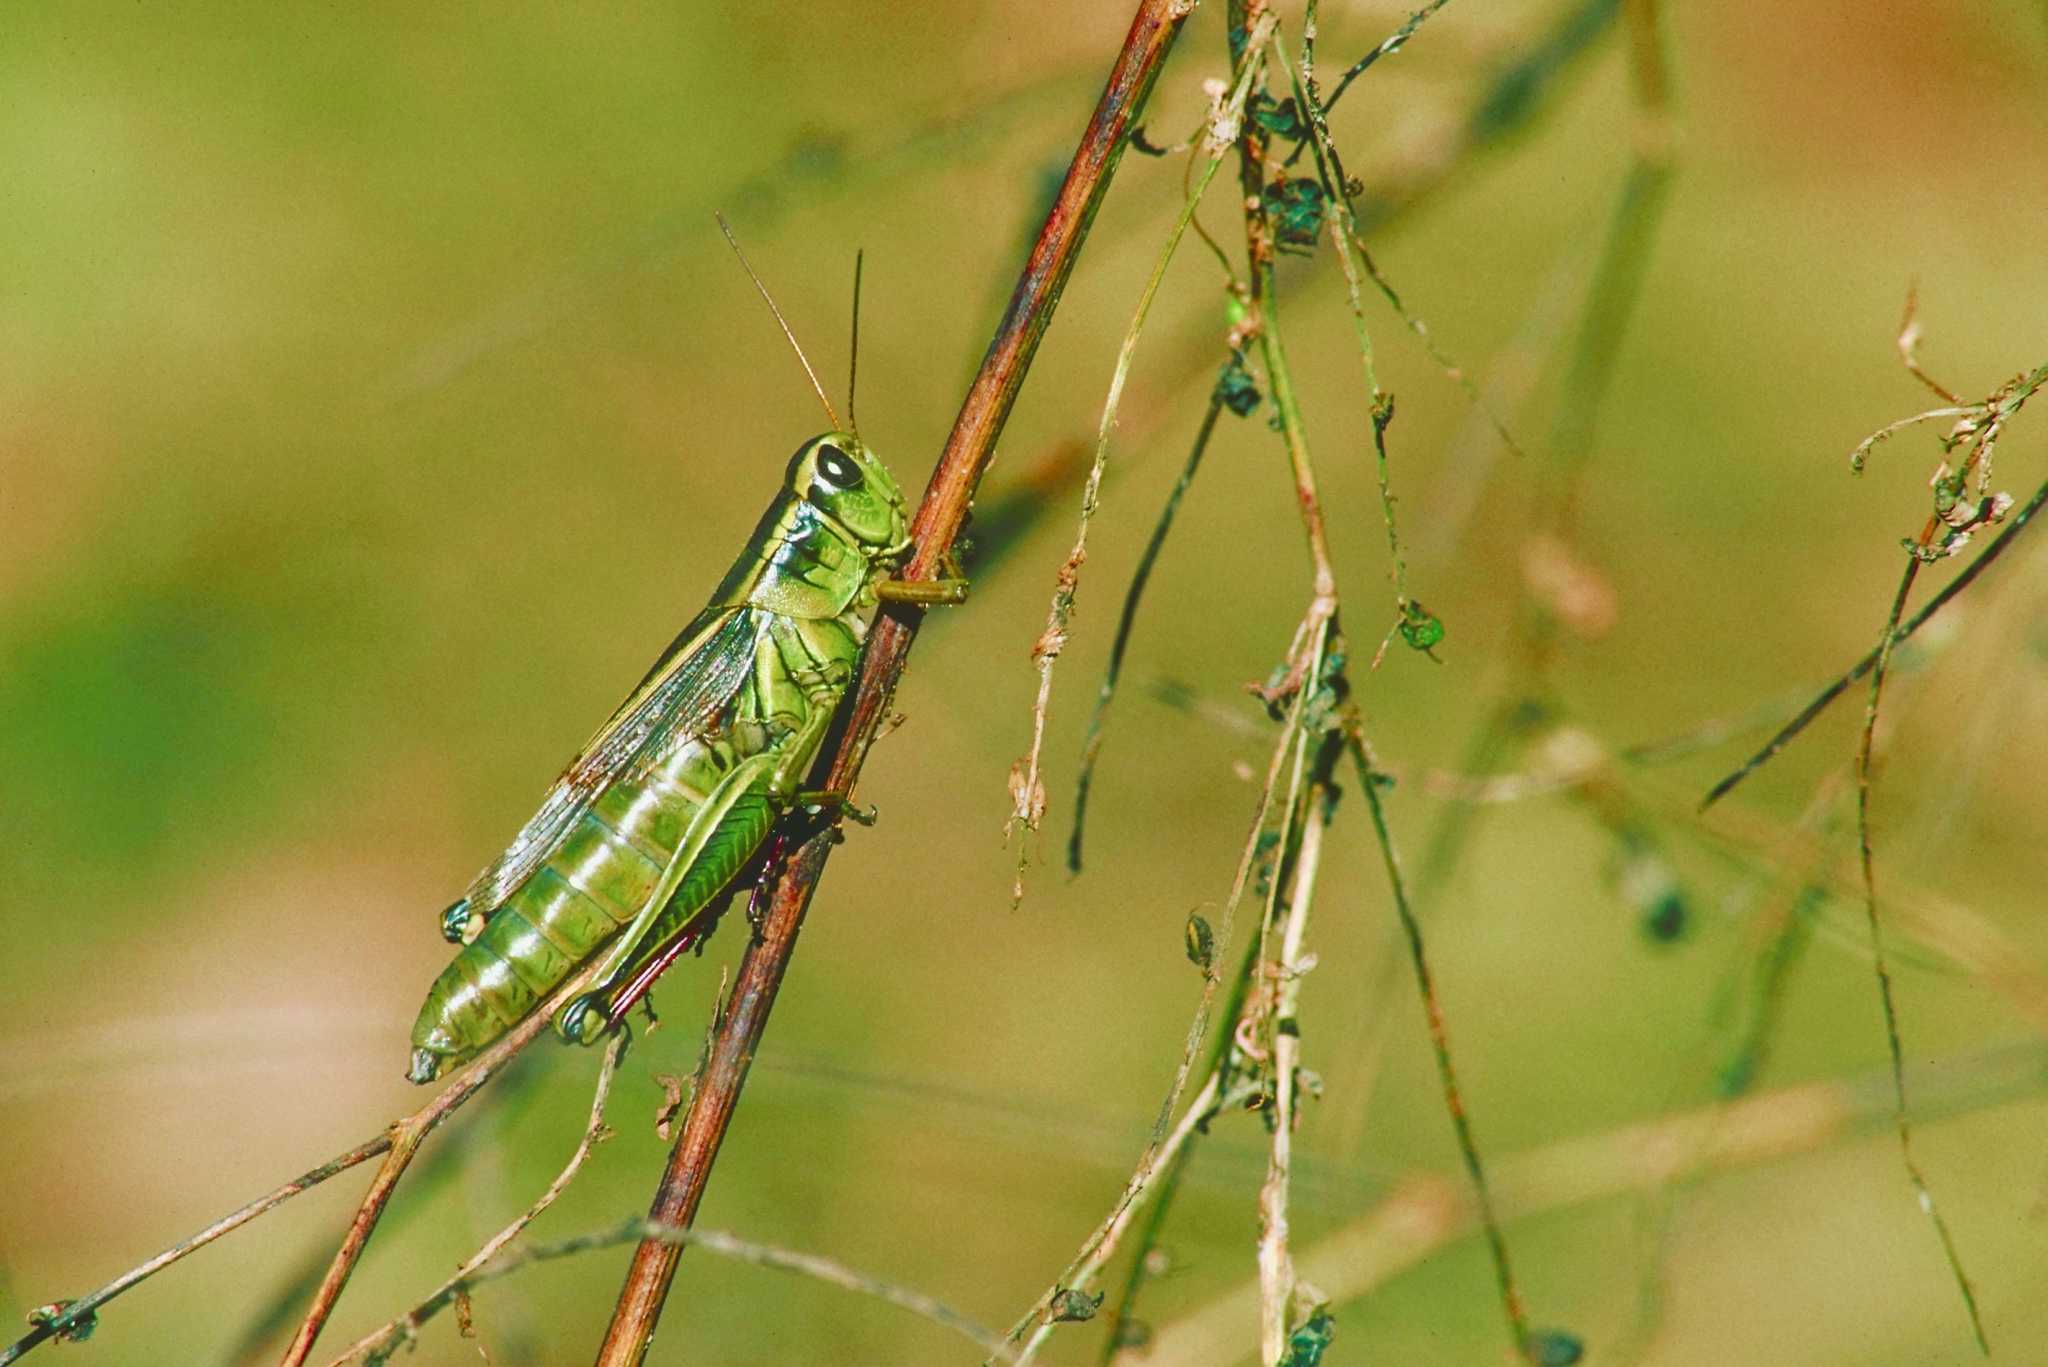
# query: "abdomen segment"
594,883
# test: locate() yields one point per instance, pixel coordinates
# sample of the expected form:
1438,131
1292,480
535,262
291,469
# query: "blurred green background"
376,398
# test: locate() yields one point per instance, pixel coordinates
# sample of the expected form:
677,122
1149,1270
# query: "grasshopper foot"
830,803
584,1021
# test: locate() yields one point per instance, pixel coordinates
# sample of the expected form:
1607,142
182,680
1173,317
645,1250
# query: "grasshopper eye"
836,468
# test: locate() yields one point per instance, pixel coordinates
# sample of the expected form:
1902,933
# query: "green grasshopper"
643,839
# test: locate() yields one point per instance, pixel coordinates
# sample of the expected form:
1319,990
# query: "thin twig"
397,1145
1250,41
1909,347
1506,106
1027,789
940,516
1264,310
1859,457
1440,1046
73,1316
485,1125
377,1346
1158,1165
1509,103
1122,1326
1276,1266
1866,744
1610,298
1956,515
1102,1245
1389,45
1445,362
1287,744
406,1136
1344,237
1098,720
725,1246
1428,1214
1259,234
2013,527
1155,1162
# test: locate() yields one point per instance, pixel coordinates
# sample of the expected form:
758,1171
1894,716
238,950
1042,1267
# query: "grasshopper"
642,840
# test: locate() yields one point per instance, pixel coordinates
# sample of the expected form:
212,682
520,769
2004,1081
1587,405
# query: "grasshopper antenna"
853,352
802,360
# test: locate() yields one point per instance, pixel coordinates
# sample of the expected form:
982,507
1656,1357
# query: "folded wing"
690,684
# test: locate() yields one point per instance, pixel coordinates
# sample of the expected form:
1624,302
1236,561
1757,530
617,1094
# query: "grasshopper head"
837,474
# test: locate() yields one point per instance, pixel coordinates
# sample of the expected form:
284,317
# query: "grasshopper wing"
694,679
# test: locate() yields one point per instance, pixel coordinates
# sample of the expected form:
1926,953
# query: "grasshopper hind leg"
721,842
634,984
730,827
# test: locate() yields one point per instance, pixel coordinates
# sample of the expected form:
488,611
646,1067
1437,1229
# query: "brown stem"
969,450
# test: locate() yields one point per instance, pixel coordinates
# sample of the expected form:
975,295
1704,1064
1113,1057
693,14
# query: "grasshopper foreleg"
928,593
948,590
